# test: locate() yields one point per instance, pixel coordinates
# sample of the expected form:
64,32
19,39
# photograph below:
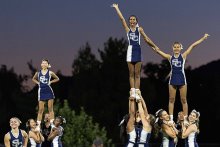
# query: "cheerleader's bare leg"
137,75
50,109
172,96
40,110
183,93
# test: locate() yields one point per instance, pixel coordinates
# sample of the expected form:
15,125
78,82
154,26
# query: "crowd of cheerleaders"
50,131
138,124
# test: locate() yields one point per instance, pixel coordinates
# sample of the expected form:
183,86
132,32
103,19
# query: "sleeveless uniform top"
45,91
167,141
177,76
131,138
190,141
57,140
134,49
16,141
33,143
143,137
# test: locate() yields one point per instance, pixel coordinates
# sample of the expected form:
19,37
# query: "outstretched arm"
147,39
131,106
121,17
144,107
142,113
162,54
195,44
152,45
131,121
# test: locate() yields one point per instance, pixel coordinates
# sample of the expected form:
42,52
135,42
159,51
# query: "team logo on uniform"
16,143
176,62
43,80
133,37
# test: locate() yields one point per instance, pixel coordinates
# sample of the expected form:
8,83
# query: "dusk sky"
56,29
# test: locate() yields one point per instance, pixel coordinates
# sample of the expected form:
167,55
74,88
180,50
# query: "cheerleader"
134,58
35,136
177,75
190,132
46,128
169,132
45,92
147,125
57,132
127,125
16,137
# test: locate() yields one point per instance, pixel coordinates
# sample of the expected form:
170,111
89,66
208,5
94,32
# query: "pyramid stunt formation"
138,123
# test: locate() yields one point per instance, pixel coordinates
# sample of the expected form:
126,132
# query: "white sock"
171,117
137,91
132,89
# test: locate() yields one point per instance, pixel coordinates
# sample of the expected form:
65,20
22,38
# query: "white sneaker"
137,94
137,97
132,93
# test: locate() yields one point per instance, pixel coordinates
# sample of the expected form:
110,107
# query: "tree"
157,71
80,129
102,87
85,78
85,62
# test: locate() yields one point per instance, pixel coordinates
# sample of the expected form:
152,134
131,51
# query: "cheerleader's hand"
170,123
185,123
114,5
206,36
176,140
36,130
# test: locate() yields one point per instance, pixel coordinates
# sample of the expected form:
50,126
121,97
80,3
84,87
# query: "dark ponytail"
158,123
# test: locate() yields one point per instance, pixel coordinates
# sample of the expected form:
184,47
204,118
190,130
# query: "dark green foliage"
80,129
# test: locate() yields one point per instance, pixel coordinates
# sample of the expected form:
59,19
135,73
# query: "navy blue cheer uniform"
177,77
134,49
16,141
45,91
